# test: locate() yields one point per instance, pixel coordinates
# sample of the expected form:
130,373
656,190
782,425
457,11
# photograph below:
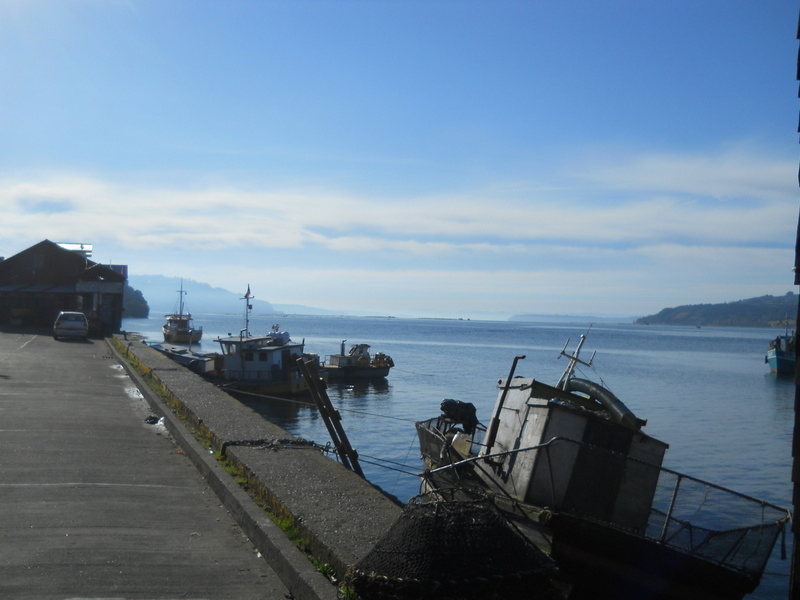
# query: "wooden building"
46,278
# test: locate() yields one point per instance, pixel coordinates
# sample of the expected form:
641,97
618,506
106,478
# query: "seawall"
334,515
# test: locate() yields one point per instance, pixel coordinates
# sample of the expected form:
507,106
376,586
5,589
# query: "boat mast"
573,360
247,308
180,296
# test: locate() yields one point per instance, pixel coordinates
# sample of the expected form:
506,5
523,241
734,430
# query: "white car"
71,324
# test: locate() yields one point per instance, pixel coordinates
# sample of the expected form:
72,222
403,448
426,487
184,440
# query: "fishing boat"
179,327
357,364
781,354
262,364
571,467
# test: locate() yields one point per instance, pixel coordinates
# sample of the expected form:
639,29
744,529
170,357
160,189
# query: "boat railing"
723,526
687,514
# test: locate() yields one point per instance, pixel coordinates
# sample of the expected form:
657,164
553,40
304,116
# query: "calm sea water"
706,392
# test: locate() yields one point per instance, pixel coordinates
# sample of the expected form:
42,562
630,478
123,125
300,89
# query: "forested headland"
133,304
763,311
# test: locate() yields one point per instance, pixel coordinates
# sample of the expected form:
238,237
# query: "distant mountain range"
163,294
763,311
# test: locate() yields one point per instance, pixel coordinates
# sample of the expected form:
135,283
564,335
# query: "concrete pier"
99,503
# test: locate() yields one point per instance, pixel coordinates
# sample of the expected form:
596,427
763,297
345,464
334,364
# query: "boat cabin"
357,357
260,358
607,486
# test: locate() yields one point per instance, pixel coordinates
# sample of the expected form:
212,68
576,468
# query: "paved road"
96,503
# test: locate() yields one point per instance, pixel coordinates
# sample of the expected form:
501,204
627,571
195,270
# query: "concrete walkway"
95,502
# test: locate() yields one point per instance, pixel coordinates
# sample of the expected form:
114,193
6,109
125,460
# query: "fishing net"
452,550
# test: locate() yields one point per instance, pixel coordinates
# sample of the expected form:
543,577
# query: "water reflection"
285,413
359,389
300,413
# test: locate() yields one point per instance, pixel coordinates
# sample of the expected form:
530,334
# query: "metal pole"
330,416
495,424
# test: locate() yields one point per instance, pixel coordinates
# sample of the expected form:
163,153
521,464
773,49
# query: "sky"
435,158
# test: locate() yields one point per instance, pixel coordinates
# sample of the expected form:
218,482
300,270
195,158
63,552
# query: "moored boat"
570,465
179,327
782,354
262,364
357,364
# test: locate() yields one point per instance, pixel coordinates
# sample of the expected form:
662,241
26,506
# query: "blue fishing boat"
781,354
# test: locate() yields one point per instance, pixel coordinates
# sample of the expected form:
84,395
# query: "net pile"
449,551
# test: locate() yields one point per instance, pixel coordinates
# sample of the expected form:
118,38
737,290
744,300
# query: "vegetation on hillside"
134,305
764,311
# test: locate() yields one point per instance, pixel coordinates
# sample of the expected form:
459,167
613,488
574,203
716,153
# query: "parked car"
71,324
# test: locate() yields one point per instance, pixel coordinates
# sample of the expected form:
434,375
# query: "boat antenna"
247,308
573,360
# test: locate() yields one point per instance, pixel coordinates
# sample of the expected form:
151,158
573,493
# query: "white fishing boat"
570,465
179,327
357,364
262,364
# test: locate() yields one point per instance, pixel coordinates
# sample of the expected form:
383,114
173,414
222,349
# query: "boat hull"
622,565
357,365
182,336
295,387
781,361
336,373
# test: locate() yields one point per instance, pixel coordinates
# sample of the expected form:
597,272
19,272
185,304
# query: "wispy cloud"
48,206
734,172
639,226
732,198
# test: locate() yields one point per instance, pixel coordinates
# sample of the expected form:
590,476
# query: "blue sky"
415,158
